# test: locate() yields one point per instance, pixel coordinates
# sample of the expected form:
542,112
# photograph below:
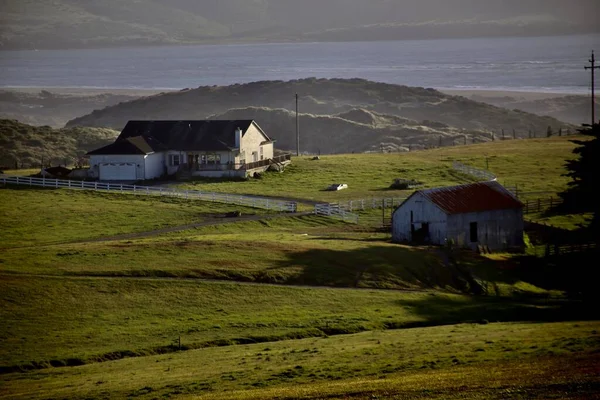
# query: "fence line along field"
296,307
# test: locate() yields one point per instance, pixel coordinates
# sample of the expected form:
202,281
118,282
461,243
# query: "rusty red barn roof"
473,197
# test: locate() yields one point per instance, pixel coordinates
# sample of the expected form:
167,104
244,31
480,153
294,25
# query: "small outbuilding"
483,213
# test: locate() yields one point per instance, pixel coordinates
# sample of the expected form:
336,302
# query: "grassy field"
534,165
491,360
68,321
111,314
47,216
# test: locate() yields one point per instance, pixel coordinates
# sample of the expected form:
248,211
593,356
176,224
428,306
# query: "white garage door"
117,172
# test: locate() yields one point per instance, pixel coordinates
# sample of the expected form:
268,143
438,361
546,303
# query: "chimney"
238,138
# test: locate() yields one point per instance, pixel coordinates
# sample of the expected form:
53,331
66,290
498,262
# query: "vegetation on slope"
22,144
437,112
357,130
54,109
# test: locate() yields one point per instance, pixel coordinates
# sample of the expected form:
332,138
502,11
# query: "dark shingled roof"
132,145
209,135
473,197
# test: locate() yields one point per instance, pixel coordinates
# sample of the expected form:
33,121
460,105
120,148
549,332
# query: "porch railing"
237,167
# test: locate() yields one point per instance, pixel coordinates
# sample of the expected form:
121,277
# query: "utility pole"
297,129
593,68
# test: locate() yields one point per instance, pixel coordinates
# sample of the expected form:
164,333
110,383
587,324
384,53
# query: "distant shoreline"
89,91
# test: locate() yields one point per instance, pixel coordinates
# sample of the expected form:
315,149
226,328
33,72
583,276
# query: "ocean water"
549,64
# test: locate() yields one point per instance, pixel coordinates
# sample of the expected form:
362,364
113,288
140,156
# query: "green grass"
568,221
493,359
64,303
50,320
46,216
22,172
534,165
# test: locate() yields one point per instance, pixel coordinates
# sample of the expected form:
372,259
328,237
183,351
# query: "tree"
582,194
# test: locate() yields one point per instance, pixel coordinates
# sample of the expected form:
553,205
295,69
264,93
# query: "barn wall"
155,165
423,212
497,229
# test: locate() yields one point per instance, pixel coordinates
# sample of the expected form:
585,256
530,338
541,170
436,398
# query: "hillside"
338,108
355,131
42,24
572,109
28,145
47,107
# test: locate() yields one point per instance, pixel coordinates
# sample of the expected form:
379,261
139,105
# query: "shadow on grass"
572,273
441,310
403,267
391,267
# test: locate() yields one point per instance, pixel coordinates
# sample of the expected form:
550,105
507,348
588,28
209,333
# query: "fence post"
95,185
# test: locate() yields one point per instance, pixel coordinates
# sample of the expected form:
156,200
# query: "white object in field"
338,186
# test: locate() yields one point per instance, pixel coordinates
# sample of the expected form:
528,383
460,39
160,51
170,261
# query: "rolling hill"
28,145
353,114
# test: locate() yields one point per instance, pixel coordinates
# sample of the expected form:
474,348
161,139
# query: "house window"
213,159
175,160
261,153
473,235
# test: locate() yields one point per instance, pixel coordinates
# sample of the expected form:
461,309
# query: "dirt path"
157,232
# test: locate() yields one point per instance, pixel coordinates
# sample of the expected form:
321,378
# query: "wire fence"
248,201
538,205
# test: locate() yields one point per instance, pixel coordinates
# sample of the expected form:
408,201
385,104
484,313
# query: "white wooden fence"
248,201
335,211
479,173
370,204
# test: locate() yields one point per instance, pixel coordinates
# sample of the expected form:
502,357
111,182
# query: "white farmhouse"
211,148
470,215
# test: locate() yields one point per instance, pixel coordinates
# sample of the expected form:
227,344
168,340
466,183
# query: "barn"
482,213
